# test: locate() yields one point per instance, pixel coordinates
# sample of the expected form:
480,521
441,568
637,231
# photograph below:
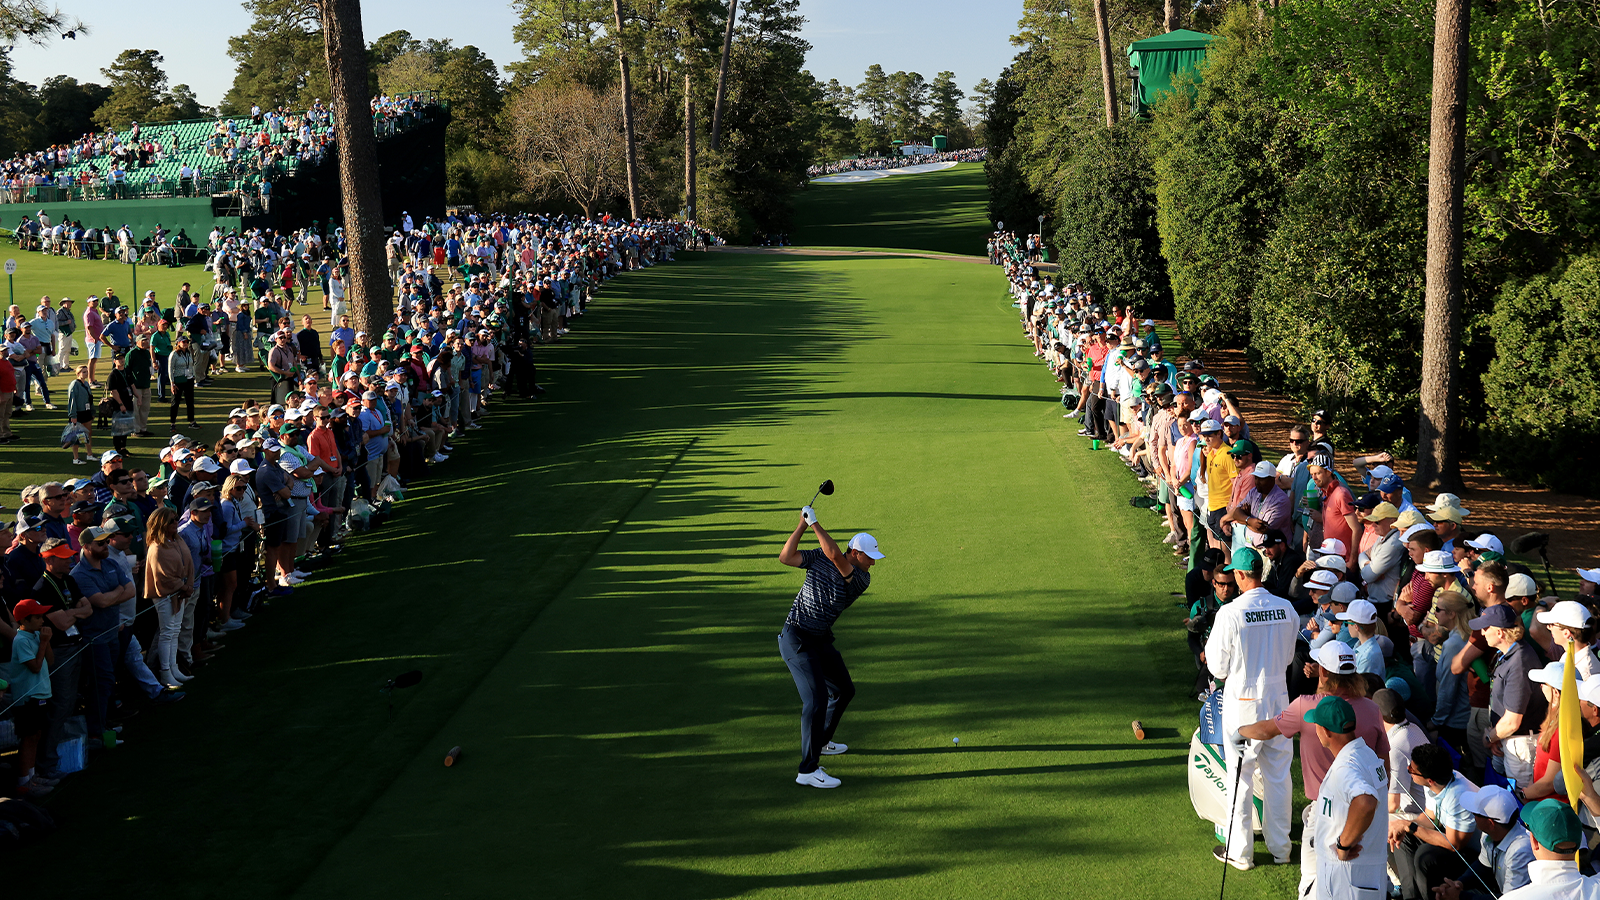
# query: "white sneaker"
439,457
818,779
300,574
289,580
49,406
232,625
1171,538
239,369
834,749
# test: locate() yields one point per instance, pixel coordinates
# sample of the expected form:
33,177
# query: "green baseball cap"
1244,559
1334,714
1243,446
1552,822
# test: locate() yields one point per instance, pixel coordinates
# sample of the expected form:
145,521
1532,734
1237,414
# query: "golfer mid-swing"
834,579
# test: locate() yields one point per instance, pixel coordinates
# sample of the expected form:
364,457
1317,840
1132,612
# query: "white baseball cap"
1570,613
1550,674
1518,585
1330,547
1590,575
867,544
207,464
1336,563
1265,469
1336,657
1321,580
1361,611
1379,473
1492,802
1489,542
240,467
1589,689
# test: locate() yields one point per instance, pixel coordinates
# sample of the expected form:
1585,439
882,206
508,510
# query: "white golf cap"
207,464
1331,546
1335,563
1590,575
1336,657
240,467
1589,689
1379,473
867,544
1439,561
1550,674
1518,585
1321,580
1360,611
1492,802
1265,469
1488,542
1570,613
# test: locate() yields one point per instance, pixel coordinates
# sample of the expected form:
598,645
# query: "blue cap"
1391,484
1500,616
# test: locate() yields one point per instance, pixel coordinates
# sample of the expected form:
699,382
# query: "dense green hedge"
1543,387
1108,193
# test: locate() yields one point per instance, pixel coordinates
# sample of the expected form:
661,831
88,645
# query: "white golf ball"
955,740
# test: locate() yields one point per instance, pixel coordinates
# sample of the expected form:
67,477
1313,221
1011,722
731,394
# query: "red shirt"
1336,504
8,376
1543,758
322,443
1097,357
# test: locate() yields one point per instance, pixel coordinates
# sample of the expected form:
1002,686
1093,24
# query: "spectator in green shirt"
161,352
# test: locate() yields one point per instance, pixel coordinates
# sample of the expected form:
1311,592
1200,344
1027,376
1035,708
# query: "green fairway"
595,601
943,212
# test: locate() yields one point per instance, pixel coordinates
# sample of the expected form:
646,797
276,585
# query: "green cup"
1096,445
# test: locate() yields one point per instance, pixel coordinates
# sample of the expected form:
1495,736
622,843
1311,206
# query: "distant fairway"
943,212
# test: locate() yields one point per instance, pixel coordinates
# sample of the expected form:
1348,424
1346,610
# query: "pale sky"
926,36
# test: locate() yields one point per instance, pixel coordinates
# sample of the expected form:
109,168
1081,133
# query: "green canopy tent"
1157,59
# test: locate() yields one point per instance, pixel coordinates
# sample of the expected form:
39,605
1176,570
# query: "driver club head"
824,488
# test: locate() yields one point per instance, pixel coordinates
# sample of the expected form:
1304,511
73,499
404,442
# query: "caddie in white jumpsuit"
1250,648
1358,871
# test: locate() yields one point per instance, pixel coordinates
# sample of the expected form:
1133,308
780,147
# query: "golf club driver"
825,489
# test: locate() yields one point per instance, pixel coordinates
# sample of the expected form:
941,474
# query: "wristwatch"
1412,829
1339,846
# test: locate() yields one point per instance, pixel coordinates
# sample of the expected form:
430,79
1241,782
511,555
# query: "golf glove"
810,514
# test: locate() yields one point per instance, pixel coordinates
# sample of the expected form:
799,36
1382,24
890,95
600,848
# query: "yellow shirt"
1220,472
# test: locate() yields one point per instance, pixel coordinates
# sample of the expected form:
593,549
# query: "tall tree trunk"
689,161
370,295
722,77
1438,467
1171,23
1108,75
627,116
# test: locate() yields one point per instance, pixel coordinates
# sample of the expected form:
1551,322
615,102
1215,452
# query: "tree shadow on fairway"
285,754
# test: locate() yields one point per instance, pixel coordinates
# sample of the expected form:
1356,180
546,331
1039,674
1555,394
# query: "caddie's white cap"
1360,611
1521,585
1570,613
1336,657
1265,469
867,544
1493,802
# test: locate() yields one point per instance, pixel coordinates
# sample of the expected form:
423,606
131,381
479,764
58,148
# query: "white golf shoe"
834,749
818,779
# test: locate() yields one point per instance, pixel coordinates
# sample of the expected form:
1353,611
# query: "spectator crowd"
874,163
121,584
1419,664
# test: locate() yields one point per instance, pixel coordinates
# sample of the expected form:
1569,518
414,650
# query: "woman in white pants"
169,582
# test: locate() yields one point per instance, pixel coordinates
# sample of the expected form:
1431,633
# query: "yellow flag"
1571,725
